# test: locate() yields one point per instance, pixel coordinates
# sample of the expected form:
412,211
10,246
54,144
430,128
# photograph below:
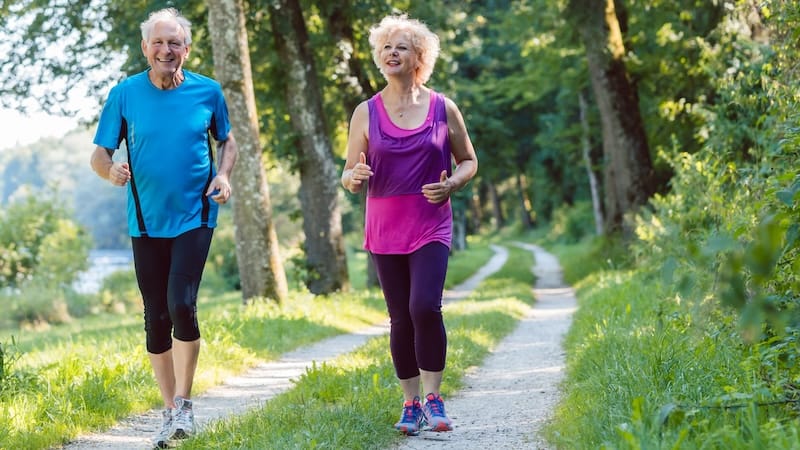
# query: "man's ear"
144,47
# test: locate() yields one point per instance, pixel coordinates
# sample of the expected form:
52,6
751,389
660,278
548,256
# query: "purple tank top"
399,220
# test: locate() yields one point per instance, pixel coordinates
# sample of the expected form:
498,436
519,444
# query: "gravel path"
521,377
508,399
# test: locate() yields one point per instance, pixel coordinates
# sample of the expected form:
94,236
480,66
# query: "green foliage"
570,224
118,293
696,346
38,305
222,260
590,255
648,370
37,239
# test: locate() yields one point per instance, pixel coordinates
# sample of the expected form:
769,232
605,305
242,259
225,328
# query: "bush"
39,240
119,292
571,223
37,305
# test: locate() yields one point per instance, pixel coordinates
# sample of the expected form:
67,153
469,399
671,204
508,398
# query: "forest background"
660,136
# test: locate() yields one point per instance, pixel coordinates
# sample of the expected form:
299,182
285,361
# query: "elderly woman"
165,115
404,141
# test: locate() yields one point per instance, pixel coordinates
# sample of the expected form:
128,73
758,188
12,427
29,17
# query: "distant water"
102,263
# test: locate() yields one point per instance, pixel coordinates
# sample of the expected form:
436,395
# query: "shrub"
39,240
37,305
119,292
571,223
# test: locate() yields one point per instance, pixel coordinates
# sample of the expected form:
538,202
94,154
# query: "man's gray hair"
167,14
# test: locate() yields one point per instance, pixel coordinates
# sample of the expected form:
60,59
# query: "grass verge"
647,368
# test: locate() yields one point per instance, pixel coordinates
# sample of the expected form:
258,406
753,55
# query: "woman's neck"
403,95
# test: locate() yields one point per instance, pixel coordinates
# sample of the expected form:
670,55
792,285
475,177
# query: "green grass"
85,375
358,395
647,369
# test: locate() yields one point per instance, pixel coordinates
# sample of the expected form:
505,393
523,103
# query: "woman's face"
165,49
398,56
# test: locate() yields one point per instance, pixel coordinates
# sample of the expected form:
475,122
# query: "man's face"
166,49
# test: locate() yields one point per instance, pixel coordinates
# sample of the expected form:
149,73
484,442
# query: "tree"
39,240
260,267
586,148
324,244
628,172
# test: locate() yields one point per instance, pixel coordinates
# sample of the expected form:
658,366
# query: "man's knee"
158,330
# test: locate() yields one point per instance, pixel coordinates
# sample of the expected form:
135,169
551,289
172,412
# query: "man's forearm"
228,152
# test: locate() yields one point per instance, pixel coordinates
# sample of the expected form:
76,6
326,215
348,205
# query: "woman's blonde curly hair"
425,42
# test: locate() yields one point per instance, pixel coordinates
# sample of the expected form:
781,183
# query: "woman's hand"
438,192
359,173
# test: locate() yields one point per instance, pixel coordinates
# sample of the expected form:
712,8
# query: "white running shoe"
182,419
161,440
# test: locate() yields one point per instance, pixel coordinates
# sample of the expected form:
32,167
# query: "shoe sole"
180,434
407,430
439,427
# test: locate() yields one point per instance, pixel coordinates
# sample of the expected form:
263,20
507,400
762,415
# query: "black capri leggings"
168,271
412,285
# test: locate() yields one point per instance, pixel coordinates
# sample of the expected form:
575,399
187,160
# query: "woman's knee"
425,312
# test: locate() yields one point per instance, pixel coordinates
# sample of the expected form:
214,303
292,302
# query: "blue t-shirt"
168,148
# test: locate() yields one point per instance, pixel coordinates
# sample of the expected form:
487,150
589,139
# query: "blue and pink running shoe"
411,420
435,416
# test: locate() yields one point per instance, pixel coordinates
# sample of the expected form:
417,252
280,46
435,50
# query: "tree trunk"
524,202
353,77
497,209
354,81
324,245
597,207
628,173
476,207
459,203
260,267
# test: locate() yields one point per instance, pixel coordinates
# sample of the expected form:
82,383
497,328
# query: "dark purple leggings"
412,286
168,271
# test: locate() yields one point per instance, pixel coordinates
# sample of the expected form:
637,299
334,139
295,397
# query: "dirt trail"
260,383
508,399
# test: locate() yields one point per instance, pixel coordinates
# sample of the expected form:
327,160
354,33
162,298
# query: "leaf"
665,412
668,271
786,197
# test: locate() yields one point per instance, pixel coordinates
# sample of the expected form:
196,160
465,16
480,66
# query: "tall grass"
647,369
87,374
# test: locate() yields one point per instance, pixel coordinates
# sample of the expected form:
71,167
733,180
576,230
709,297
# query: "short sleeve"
110,131
222,125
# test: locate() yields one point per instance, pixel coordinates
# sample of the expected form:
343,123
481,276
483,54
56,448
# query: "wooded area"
662,79
664,133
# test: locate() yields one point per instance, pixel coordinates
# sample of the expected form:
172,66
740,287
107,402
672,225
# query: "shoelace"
408,413
436,407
